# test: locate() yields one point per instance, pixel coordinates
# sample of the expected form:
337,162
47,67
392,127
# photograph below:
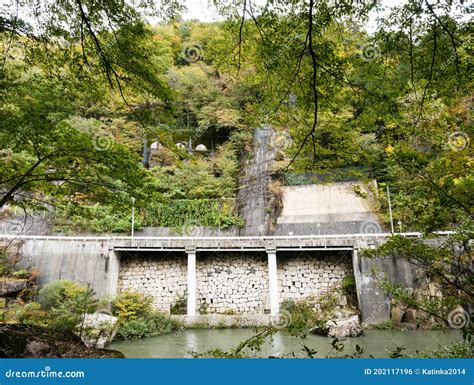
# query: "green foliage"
22,274
348,285
186,213
303,316
244,349
387,325
7,264
461,349
66,302
137,319
130,306
179,306
93,219
54,293
33,313
348,288
149,325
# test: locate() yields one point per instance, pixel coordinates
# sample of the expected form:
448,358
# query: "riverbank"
32,341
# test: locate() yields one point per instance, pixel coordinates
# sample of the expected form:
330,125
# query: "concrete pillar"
192,282
273,281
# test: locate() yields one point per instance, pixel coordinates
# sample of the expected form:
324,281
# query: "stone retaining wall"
305,273
231,283
162,276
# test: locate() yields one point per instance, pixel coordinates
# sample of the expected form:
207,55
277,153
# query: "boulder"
97,330
344,327
10,286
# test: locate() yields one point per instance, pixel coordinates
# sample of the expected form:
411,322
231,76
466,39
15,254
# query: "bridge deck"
281,243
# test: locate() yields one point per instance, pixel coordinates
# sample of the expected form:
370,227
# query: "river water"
374,342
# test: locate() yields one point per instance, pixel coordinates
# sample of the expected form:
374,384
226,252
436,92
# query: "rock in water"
97,329
344,327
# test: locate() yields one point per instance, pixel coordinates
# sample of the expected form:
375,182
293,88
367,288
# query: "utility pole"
133,217
390,210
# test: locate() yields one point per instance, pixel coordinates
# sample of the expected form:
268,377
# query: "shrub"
131,306
179,307
55,293
67,302
302,316
32,313
137,319
150,325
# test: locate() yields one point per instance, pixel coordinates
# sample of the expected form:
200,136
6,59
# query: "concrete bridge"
96,260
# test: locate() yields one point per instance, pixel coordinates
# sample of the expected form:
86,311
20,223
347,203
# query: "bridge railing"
226,238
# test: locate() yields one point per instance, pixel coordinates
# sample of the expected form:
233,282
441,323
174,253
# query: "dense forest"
100,107
112,107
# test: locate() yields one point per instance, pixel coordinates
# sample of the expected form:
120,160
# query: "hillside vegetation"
82,104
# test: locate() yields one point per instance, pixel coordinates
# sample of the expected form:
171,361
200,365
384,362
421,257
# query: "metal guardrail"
247,238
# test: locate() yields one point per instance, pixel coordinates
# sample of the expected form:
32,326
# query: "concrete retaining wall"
334,208
88,263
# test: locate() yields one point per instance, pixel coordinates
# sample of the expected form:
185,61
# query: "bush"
179,307
137,319
33,314
302,316
54,293
67,302
131,306
7,264
151,325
